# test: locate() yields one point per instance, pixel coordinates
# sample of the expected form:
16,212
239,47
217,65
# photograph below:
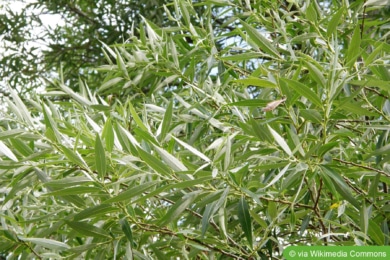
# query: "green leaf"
250,103
48,243
272,211
68,182
100,157
76,190
253,81
263,43
303,90
277,177
243,56
76,96
108,135
174,163
372,82
154,163
74,157
175,211
354,47
166,123
245,220
51,129
20,110
334,21
131,192
95,211
375,233
88,230
280,141
364,216
311,13
211,209
7,152
311,115
11,133
326,147
192,150
136,118
373,190
354,108
179,185
126,229
121,64
315,72
109,83
340,185
303,37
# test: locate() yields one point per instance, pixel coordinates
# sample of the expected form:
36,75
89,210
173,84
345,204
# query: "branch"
163,230
81,14
363,167
211,222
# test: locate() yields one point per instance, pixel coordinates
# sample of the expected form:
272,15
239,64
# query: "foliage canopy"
171,154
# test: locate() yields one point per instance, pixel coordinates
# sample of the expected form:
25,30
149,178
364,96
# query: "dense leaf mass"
204,130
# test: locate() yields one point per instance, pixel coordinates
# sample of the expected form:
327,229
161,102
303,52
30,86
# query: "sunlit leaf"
48,243
279,139
7,152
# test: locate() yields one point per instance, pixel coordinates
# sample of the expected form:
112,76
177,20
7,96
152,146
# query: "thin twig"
363,167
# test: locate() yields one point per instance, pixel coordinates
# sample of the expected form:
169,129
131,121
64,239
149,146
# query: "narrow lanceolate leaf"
166,123
95,211
332,25
176,210
192,149
7,152
211,209
303,90
73,191
136,118
277,177
100,157
126,229
263,43
280,141
20,109
51,129
48,243
11,133
174,163
341,186
354,47
79,98
88,229
245,220
153,162
108,135
131,192
253,81
74,157
121,64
